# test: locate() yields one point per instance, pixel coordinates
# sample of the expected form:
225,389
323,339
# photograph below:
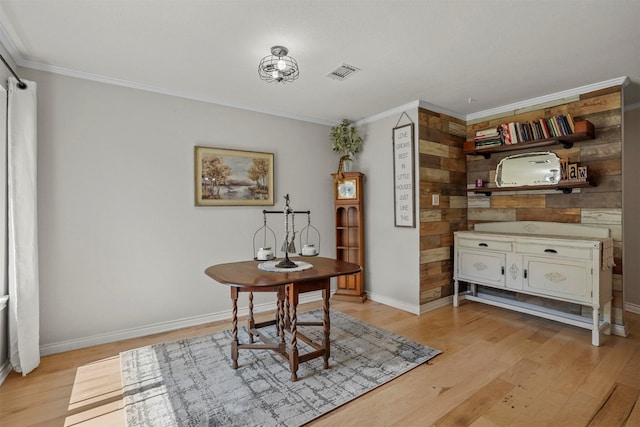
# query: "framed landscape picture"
232,177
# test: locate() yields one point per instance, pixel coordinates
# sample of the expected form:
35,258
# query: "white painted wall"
122,245
392,256
631,208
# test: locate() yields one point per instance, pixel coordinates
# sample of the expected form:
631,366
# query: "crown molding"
554,97
441,110
156,89
409,106
10,46
620,81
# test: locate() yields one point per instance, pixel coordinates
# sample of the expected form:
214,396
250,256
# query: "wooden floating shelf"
584,131
565,186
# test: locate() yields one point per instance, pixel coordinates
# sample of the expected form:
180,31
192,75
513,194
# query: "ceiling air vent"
342,72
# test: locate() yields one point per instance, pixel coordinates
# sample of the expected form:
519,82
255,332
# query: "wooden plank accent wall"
443,171
600,205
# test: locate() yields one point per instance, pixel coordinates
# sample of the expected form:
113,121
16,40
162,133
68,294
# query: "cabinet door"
569,280
483,267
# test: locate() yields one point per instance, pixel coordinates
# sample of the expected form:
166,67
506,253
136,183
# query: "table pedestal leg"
287,309
293,318
280,320
326,326
252,323
234,328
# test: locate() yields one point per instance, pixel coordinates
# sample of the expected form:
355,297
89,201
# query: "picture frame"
404,176
226,177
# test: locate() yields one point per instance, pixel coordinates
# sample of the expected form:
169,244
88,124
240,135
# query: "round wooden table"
244,276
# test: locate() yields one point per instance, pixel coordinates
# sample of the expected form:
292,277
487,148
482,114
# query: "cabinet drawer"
481,244
554,250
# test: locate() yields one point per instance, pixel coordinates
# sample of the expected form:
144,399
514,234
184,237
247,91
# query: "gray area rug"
191,383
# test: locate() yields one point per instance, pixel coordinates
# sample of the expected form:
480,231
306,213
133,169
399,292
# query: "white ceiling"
443,52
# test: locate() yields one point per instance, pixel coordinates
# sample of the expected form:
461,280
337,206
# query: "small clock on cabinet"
348,202
347,189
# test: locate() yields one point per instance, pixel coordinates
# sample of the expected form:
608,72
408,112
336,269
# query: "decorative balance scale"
309,237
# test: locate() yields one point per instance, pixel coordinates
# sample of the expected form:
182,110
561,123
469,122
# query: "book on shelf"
572,124
545,128
491,132
497,144
506,134
560,125
564,121
526,132
553,130
538,130
489,141
489,138
512,131
485,138
518,132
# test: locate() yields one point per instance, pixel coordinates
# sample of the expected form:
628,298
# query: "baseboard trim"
78,343
421,309
75,344
619,330
394,303
633,308
432,305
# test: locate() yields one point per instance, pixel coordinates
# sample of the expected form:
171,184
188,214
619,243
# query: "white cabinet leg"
607,318
595,331
455,293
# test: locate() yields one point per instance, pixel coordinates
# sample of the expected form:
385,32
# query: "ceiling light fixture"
278,67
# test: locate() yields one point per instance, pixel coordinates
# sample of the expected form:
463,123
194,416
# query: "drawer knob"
484,245
551,251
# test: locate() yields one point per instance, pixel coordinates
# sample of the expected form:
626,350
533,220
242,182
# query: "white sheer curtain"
22,251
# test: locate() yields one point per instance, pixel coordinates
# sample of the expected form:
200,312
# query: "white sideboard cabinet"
565,262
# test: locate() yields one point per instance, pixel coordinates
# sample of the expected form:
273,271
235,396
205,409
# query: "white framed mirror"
528,169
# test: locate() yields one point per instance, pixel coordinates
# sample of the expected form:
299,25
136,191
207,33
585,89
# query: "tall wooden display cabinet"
348,199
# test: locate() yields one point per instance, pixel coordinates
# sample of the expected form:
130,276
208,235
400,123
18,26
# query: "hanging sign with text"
403,176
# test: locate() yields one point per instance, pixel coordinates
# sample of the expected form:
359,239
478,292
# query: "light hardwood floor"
498,368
